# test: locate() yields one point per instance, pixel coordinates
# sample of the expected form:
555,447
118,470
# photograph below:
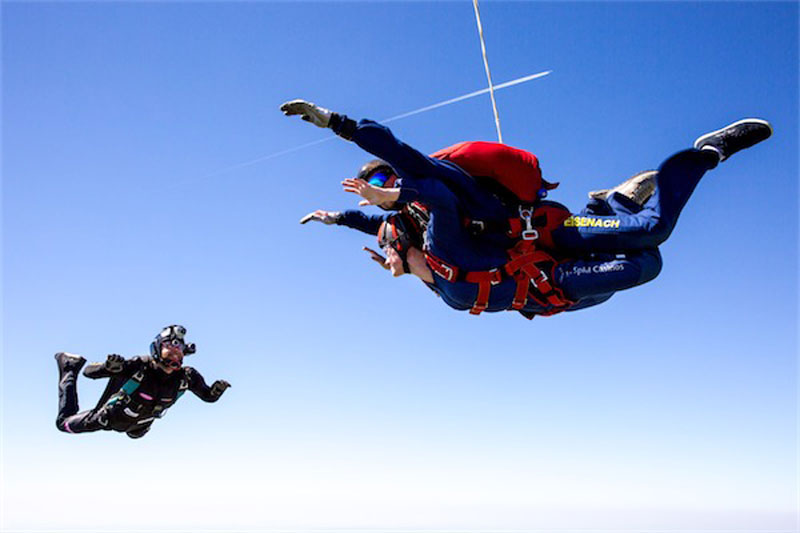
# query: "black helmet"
173,334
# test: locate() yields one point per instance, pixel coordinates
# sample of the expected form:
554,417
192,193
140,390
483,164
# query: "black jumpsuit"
132,400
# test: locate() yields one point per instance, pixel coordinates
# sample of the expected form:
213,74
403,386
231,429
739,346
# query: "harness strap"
531,280
184,385
485,280
444,270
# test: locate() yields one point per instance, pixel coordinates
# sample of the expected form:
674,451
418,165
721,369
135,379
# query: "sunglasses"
380,178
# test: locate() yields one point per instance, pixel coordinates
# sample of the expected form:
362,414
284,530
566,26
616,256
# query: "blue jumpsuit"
618,241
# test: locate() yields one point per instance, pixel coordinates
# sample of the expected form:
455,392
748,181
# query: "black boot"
68,362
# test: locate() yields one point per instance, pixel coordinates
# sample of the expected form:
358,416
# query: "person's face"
394,261
171,356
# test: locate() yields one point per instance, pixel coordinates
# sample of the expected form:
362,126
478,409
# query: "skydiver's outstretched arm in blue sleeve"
351,218
408,162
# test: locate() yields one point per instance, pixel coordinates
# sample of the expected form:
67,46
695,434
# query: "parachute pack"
515,177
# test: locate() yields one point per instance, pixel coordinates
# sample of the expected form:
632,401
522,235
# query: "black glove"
114,363
218,387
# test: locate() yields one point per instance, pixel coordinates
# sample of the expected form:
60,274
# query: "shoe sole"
700,140
638,179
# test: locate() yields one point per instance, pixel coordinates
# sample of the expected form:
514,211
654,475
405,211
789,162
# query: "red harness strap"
531,280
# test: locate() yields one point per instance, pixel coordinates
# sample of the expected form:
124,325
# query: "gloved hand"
326,217
318,116
114,363
218,387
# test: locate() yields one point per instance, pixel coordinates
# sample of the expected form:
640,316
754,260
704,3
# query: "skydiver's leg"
68,419
83,422
628,227
594,278
69,366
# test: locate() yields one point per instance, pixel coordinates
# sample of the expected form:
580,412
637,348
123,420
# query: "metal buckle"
449,271
528,234
541,279
499,278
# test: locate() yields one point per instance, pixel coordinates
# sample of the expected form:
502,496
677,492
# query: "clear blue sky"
359,400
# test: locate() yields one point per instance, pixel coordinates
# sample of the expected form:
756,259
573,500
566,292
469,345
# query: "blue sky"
361,401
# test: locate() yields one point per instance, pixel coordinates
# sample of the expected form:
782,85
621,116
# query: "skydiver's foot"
138,433
638,188
734,137
69,362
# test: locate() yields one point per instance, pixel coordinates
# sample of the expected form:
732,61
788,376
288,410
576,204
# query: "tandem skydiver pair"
490,242
139,390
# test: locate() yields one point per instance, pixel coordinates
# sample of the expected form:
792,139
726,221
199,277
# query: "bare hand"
372,195
378,258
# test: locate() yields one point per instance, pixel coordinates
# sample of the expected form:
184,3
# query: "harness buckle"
449,272
497,276
529,233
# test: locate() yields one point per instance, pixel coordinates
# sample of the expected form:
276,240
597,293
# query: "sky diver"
139,390
494,244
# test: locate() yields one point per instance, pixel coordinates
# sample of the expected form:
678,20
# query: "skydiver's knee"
651,264
63,426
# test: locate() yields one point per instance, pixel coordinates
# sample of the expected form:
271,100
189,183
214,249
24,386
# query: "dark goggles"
174,343
379,178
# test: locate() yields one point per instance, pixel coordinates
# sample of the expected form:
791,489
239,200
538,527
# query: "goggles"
173,344
379,178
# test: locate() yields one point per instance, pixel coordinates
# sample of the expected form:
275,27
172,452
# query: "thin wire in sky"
488,72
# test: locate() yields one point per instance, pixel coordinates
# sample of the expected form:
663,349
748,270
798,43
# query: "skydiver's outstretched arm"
380,142
410,164
114,365
352,218
198,386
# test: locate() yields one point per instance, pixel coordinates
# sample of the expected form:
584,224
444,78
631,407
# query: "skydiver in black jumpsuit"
140,389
